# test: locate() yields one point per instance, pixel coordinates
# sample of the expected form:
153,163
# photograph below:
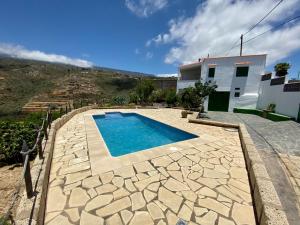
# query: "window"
242,71
237,94
211,72
237,89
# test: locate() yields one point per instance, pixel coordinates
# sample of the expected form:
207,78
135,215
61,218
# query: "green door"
219,101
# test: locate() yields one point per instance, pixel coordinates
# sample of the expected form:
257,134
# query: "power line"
262,19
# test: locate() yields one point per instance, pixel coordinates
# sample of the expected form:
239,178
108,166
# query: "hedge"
248,111
278,117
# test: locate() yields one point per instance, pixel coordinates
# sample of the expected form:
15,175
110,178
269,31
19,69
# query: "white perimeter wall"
287,103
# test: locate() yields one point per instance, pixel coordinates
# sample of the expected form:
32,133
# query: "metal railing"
43,133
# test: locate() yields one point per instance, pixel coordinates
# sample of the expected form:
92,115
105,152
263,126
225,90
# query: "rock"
172,218
106,188
176,156
125,172
142,184
185,162
154,186
74,177
114,220
137,201
223,221
106,177
129,185
185,213
214,205
189,195
149,195
143,167
243,214
176,174
170,199
141,218
200,211
56,200
155,211
75,168
91,182
173,166
114,207
120,193
73,214
174,185
92,193
89,219
126,216
205,191
214,174
192,184
118,181
162,161
209,218
78,197
98,202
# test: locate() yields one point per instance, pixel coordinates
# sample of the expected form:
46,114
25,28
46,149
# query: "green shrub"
171,97
2,222
119,100
158,96
248,111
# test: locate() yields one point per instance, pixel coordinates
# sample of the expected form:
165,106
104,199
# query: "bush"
119,100
171,97
281,69
144,90
158,96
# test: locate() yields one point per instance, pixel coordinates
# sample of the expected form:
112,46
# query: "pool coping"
99,153
267,206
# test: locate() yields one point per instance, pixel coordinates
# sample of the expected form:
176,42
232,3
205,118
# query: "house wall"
287,102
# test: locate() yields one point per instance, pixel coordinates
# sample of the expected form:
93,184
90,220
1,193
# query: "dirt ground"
9,177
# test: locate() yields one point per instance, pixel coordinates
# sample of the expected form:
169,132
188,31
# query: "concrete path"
200,181
279,146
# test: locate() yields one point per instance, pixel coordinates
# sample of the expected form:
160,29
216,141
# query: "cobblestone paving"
206,183
284,138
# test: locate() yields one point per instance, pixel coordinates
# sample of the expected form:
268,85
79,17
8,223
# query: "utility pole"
241,47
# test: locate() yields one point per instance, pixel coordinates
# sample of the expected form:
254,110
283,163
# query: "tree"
171,97
144,90
281,69
194,97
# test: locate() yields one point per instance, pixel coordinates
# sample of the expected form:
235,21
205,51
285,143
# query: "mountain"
23,81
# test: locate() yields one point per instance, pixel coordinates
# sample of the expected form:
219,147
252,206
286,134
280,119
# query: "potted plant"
184,113
281,69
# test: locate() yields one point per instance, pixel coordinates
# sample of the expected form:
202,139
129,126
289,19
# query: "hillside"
23,81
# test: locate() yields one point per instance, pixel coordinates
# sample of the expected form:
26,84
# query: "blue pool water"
125,133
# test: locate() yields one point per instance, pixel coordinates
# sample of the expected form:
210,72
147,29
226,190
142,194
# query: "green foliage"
133,98
281,69
158,96
171,97
2,221
193,97
119,100
144,90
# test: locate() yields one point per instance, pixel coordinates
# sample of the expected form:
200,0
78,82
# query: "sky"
149,36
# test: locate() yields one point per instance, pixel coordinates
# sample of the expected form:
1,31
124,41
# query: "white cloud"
145,8
19,51
217,25
167,75
149,55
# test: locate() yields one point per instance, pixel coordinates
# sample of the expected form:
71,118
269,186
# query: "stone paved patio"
201,181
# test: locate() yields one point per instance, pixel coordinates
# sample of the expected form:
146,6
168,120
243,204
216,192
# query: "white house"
238,79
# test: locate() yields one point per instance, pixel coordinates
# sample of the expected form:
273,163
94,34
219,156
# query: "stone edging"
267,205
32,211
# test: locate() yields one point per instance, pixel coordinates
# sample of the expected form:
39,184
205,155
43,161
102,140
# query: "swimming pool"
126,133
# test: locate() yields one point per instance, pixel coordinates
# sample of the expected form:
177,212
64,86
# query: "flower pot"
184,114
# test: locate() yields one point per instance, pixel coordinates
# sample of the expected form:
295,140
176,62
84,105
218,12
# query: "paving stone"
205,191
141,185
206,164
75,168
118,181
129,185
78,197
73,214
174,185
243,214
137,201
161,205
173,166
199,211
189,195
75,177
185,213
61,220
149,195
141,217
114,207
98,202
224,191
120,193
92,193
114,220
162,161
106,188
170,199
239,173
185,162
213,174
224,221
177,175
163,171
143,167
209,182
208,219
155,211
194,158
197,168
78,160
171,218
70,187
142,176
161,222
106,177
176,156
89,219
193,185
56,199
91,182
194,175
126,216
214,161
125,172
154,186
214,205
51,215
